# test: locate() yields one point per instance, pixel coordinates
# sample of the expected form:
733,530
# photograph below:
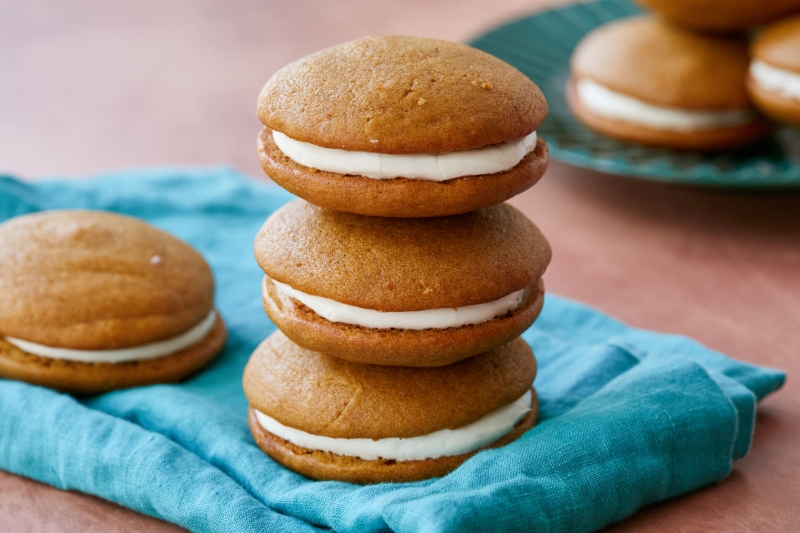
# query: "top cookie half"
361,127
90,280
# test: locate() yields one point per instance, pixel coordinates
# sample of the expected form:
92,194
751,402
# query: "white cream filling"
152,350
437,444
774,79
603,101
427,319
429,167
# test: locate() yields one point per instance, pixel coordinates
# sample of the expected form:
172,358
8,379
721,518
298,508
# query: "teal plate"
541,45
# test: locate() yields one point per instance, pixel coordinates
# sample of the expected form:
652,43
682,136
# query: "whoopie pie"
95,301
401,292
640,79
332,419
399,126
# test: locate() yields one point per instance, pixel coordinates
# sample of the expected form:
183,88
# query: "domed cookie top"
774,77
327,396
401,95
98,281
402,127
665,65
641,79
402,264
721,15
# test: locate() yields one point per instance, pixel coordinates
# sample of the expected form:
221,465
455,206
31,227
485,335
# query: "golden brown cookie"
400,197
401,95
96,282
774,78
721,15
778,45
662,85
324,395
370,89
401,266
327,396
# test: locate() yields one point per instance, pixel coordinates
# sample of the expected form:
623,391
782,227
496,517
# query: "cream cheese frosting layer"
151,350
428,167
427,319
602,101
441,443
784,82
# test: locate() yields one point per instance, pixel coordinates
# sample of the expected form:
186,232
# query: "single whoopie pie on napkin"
399,126
327,418
95,301
404,291
774,77
642,80
721,15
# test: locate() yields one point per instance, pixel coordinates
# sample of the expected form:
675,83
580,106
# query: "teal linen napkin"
628,417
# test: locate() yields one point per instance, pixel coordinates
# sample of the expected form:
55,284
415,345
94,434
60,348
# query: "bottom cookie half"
706,139
94,378
321,465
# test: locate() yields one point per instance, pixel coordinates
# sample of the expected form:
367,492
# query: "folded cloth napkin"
628,417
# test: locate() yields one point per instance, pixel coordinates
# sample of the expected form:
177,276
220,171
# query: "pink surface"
99,86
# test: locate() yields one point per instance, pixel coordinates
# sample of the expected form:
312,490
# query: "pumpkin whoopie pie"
403,292
399,126
721,15
642,80
95,301
331,419
774,78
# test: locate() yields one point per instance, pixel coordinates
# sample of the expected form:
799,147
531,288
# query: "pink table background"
96,86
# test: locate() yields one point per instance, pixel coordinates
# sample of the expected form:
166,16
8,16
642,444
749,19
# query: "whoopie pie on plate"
639,79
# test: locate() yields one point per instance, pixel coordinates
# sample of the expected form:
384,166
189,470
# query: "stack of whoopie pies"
684,78
400,283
